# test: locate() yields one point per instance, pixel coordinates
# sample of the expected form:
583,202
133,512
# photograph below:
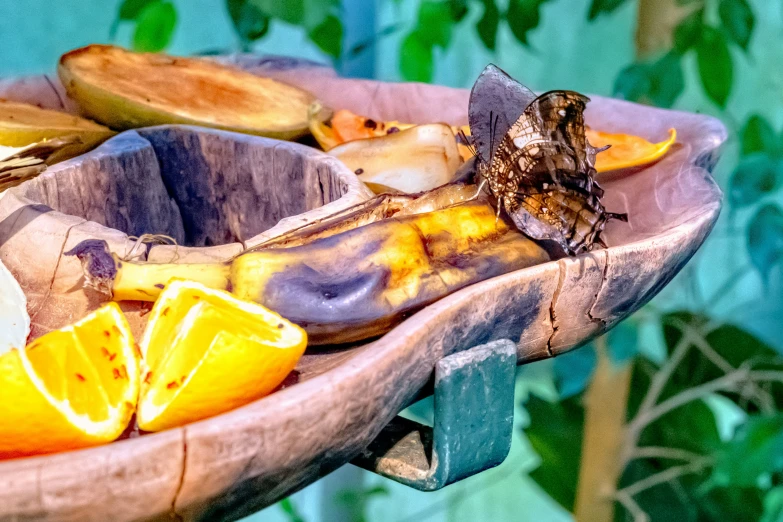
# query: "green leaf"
715,65
290,11
603,6
765,239
633,83
666,502
487,27
738,20
756,176
688,31
555,433
755,450
250,23
773,505
459,9
131,9
416,58
329,36
434,23
666,80
757,135
523,16
290,510
155,27
660,82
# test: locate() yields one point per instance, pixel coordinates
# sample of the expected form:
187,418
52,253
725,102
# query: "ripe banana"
347,286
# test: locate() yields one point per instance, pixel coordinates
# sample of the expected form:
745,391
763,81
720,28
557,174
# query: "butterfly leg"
478,192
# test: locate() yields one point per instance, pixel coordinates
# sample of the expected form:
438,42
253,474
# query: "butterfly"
542,172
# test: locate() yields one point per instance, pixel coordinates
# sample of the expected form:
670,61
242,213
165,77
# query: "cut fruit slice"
22,125
345,126
125,90
207,352
626,150
413,160
71,388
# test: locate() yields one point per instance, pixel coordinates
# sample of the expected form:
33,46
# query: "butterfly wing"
496,102
542,174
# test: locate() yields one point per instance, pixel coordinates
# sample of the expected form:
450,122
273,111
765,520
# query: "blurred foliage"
355,500
438,18
659,80
676,465
154,23
155,20
290,511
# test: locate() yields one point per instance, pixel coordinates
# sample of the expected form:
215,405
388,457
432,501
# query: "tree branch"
763,398
666,475
605,401
656,452
725,382
633,508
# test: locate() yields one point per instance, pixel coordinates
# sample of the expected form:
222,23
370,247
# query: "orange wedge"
207,352
71,388
627,150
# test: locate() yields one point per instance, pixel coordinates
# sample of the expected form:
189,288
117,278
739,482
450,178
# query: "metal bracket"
474,413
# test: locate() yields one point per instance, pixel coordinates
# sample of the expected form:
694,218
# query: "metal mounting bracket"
474,413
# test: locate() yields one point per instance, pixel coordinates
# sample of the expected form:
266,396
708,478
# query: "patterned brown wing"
567,217
542,174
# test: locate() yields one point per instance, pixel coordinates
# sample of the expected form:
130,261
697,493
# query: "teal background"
567,52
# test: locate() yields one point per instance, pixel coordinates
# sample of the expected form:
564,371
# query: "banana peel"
23,125
349,286
126,90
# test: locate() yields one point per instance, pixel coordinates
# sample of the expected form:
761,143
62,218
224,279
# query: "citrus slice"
125,90
22,125
71,388
207,352
626,150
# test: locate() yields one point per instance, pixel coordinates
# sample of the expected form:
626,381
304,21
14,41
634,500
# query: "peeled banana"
348,286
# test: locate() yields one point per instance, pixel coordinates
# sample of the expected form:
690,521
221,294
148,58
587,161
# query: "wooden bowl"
231,465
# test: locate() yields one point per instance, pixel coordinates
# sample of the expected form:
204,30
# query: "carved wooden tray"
230,466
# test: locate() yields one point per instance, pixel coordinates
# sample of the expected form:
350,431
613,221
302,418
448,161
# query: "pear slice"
126,90
22,125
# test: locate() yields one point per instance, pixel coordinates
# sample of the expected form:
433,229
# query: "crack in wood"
600,289
553,304
54,273
174,515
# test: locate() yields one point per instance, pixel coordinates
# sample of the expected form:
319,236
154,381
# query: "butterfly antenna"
493,125
466,140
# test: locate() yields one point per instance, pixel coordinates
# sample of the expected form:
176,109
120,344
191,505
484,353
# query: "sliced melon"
22,125
126,90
